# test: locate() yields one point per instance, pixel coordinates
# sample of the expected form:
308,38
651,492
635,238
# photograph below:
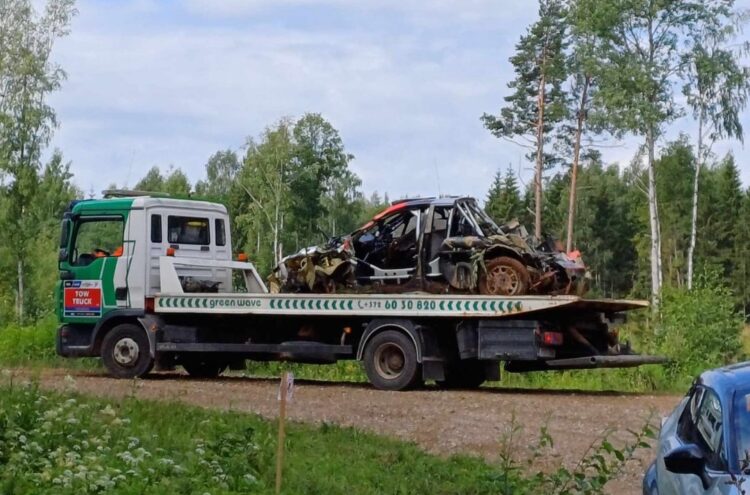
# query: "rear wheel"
203,367
463,374
125,351
390,360
504,276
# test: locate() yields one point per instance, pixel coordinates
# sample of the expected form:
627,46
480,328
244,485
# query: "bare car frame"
436,245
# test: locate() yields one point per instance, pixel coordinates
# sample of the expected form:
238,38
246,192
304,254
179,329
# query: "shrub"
700,328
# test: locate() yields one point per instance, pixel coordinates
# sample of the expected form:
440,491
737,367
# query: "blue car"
704,445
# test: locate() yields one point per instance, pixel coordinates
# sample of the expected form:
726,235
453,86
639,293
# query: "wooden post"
282,417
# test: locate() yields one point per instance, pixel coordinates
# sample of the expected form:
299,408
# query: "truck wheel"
504,276
203,367
126,352
391,361
463,374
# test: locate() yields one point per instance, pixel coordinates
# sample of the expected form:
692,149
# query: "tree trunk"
653,209
574,169
539,161
276,235
20,295
694,220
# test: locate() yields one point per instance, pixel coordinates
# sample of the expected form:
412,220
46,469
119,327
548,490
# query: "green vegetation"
71,444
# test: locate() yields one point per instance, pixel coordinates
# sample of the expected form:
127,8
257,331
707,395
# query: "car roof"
418,202
728,378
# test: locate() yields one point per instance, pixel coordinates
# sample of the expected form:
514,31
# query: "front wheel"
391,361
504,276
126,352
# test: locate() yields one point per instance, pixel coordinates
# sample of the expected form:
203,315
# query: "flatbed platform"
398,305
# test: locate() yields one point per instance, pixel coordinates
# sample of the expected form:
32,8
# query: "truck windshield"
96,238
742,424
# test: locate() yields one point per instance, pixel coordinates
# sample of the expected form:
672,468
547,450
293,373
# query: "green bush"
700,329
26,344
34,345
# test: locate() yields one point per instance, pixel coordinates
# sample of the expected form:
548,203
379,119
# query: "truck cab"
110,250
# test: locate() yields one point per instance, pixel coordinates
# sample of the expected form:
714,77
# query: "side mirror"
687,459
62,255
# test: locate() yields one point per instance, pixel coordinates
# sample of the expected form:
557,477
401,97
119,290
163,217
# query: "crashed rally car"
438,245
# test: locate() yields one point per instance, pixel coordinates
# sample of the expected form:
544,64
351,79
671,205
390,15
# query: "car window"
742,424
440,220
701,423
398,225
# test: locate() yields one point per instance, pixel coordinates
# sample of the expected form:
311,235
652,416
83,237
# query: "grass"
33,346
65,443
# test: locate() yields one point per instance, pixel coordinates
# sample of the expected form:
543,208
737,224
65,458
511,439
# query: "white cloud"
154,83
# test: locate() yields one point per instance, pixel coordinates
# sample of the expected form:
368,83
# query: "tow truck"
148,280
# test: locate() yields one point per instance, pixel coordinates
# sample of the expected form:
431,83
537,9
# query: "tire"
390,360
468,374
504,276
126,352
203,367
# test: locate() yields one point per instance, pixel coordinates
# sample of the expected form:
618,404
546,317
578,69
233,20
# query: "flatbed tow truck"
148,281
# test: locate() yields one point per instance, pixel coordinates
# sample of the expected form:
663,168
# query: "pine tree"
503,199
538,100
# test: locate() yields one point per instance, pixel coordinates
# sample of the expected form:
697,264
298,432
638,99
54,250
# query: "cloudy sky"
405,81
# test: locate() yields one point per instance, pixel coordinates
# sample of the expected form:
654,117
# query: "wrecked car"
436,245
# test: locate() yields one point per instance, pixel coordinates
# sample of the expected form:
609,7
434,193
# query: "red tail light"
552,338
149,305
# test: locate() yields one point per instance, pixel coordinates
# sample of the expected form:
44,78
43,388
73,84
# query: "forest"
671,222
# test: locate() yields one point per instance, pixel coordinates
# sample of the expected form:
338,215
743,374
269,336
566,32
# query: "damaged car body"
437,245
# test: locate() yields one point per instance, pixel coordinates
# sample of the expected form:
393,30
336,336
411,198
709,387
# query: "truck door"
91,285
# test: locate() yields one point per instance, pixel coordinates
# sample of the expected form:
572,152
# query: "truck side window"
188,230
155,228
221,236
97,239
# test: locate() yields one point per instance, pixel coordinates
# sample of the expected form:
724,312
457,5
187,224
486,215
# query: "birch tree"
27,77
538,100
645,50
717,89
264,182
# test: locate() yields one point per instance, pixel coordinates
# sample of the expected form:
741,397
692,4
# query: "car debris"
437,245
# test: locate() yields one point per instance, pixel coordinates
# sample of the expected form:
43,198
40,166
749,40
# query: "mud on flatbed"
441,422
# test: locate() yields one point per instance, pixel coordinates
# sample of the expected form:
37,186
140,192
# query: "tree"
322,184
153,181
221,170
645,50
175,183
263,186
503,199
717,90
538,101
27,76
584,62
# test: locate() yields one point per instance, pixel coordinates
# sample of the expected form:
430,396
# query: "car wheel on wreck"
504,276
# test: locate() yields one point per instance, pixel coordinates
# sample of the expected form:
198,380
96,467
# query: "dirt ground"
441,422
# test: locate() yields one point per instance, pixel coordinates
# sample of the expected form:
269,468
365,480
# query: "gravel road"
441,422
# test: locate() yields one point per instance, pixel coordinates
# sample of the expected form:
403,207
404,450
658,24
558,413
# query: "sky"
168,83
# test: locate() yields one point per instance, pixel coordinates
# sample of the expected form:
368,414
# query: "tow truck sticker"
82,298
